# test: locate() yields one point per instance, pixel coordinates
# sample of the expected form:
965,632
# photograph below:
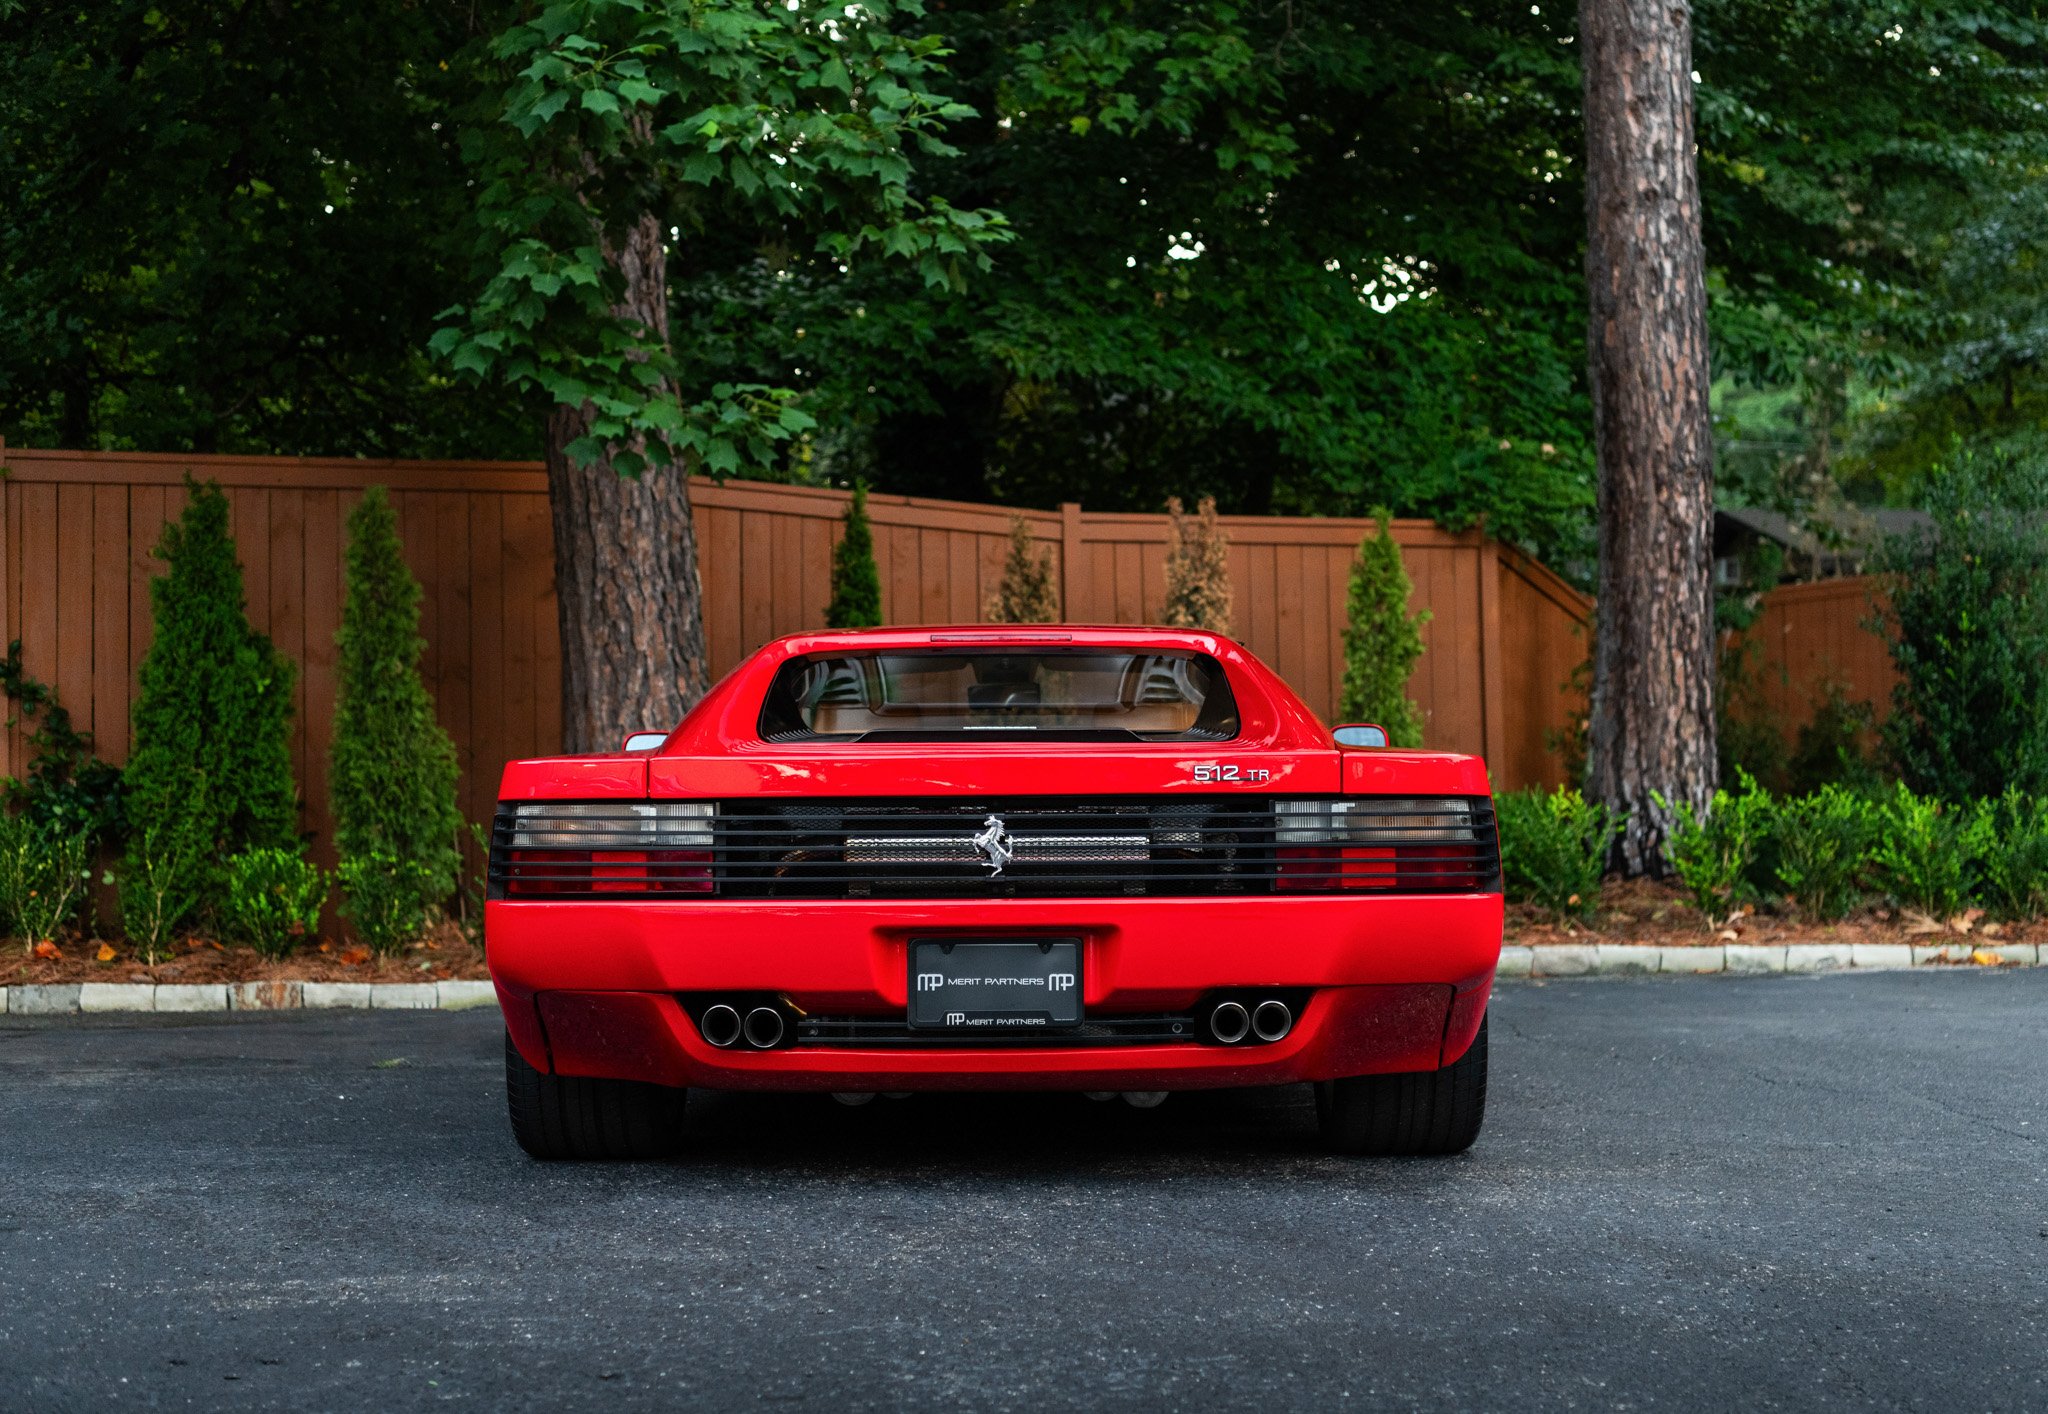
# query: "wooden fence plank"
109,703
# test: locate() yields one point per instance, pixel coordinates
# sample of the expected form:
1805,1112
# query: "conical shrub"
210,771
856,583
1382,640
1025,594
1197,568
392,771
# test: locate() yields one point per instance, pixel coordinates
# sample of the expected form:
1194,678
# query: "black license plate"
995,985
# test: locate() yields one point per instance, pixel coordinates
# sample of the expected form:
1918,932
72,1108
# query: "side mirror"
644,741
1360,734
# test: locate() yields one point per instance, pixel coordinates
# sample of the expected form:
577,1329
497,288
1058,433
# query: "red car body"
605,966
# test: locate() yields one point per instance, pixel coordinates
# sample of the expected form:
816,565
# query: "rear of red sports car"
1094,859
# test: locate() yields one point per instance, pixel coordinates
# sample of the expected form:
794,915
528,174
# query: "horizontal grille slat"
1173,846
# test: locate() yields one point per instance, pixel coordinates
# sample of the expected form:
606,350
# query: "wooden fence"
1811,635
78,531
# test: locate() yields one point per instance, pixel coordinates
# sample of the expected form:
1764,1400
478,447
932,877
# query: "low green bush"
1715,854
1553,849
1822,845
160,887
1926,849
45,870
2012,857
383,899
273,899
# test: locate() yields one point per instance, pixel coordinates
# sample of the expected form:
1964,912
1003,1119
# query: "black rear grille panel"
1178,847
1152,846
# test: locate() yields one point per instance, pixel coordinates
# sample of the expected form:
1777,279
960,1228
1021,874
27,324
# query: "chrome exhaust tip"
1144,1099
764,1028
720,1025
1228,1022
854,1099
1271,1020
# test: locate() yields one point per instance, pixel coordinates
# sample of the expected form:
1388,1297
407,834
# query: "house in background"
1827,544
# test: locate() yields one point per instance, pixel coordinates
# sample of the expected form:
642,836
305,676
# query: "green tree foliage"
1303,258
1968,620
1197,569
210,773
856,583
791,123
392,771
228,228
67,787
1025,594
1382,640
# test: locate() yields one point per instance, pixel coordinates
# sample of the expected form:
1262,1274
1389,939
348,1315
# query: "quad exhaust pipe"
1229,1022
720,1025
764,1027
1272,1019
1267,1020
728,1024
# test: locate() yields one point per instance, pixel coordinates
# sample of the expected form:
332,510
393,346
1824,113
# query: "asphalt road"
1691,1194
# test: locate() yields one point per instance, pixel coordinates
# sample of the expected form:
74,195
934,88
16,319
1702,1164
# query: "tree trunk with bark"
626,586
1653,658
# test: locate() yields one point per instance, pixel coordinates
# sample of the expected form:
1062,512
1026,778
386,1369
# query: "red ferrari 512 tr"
1097,859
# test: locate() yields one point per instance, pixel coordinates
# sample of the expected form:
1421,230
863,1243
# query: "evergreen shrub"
1197,569
1823,843
159,887
856,583
1714,854
1025,594
1382,640
392,770
67,787
1968,622
1926,849
210,771
1553,849
273,899
2013,856
45,871
384,899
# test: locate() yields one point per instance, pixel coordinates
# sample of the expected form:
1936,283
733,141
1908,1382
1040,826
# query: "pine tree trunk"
626,587
1653,657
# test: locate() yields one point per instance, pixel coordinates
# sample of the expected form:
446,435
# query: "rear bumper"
589,988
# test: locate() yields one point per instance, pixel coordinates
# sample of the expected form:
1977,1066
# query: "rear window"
1066,694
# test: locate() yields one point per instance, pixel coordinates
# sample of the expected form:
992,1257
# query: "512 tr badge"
1206,774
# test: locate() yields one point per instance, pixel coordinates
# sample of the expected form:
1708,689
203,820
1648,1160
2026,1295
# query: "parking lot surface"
1691,1194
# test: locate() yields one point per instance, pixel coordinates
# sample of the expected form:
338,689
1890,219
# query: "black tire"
568,1117
1426,1112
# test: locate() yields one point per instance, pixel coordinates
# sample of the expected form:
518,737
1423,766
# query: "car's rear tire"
570,1117
1430,1112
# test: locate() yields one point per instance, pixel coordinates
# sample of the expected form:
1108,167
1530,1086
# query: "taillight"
546,848
1379,842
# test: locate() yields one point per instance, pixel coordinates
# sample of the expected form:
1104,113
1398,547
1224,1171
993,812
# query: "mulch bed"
1642,911
444,955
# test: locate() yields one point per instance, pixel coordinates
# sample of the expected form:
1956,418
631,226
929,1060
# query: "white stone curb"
1742,959
130,997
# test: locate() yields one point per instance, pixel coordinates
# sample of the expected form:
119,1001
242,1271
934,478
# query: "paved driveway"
1691,1194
